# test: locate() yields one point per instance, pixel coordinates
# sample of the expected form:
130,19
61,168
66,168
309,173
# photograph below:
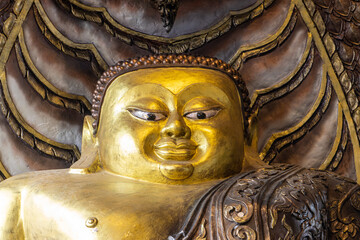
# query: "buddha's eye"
148,116
196,115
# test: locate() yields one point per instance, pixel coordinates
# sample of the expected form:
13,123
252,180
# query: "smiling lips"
175,149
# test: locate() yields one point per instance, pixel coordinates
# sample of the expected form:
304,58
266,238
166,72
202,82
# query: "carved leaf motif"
241,232
355,200
240,211
202,234
290,233
342,221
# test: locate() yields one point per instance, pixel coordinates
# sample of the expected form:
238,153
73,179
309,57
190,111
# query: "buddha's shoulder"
62,182
47,179
25,179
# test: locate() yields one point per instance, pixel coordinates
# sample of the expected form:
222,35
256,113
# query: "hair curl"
157,61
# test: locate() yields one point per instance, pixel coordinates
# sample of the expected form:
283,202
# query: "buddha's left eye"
148,116
196,115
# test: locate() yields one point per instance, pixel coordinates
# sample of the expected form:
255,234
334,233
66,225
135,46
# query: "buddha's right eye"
148,116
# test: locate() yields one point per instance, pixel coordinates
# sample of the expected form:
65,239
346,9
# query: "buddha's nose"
176,127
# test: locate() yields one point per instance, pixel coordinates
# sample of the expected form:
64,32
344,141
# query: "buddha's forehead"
175,79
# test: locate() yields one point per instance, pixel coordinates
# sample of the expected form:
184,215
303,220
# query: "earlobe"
251,156
88,137
252,159
89,160
252,131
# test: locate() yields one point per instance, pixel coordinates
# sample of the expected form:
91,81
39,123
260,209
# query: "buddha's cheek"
145,138
220,150
127,148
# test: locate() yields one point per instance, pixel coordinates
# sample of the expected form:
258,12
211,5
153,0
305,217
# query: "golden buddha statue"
167,154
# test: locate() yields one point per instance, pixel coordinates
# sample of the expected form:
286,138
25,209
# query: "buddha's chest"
106,213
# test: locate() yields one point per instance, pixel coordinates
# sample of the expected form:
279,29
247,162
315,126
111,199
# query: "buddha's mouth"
175,149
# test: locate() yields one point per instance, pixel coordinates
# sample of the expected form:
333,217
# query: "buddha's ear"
88,138
252,131
252,159
89,160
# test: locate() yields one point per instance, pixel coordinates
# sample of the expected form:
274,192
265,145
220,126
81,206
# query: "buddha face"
171,125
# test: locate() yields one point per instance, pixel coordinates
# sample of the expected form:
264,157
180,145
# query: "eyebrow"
155,84
205,100
146,100
207,93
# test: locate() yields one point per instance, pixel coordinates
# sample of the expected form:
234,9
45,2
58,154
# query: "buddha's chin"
176,170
